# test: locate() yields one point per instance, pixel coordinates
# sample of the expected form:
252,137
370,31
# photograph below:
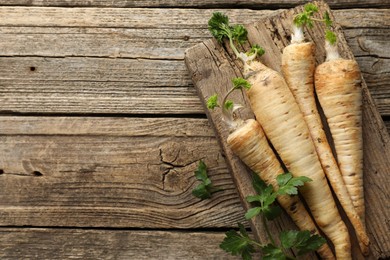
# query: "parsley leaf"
288,184
331,37
311,8
229,104
212,102
238,243
264,199
239,33
301,240
252,212
240,83
304,18
271,212
327,20
206,188
201,192
256,49
219,26
201,171
272,252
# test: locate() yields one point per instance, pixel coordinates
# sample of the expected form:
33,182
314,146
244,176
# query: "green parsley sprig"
205,189
220,28
239,242
228,106
305,18
330,36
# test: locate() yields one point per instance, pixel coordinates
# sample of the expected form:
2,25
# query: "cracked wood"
212,69
110,172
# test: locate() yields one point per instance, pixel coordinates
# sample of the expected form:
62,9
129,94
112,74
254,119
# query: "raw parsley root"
298,66
249,143
206,188
338,87
280,116
239,243
282,121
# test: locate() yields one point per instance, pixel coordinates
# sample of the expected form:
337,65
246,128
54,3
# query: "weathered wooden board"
212,68
43,243
195,4
123,86
136,69
148,18
111,172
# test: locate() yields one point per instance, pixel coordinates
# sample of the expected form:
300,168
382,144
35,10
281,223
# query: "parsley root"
249,143
337,84
277,111
298,65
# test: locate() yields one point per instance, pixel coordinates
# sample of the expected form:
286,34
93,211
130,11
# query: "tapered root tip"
364,246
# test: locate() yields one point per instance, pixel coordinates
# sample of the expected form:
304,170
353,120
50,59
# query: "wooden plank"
43,243
105,126
149,43
111,172
98,85
147,18
141,18
124,86
212,70
193,4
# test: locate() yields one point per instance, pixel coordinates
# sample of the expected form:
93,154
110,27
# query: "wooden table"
101,128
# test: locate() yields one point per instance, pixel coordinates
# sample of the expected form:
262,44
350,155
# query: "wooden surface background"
101,128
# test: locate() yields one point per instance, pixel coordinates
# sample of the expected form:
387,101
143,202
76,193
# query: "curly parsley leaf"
256,49
219,26
205,189
331,37
238,243
240,83
310,8
239,33
304,18
212,102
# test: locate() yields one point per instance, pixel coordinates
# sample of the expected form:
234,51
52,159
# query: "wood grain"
111,172
193,4
43,243
63,61
208,63
105,126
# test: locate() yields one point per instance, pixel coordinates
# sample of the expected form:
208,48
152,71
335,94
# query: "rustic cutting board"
212,67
